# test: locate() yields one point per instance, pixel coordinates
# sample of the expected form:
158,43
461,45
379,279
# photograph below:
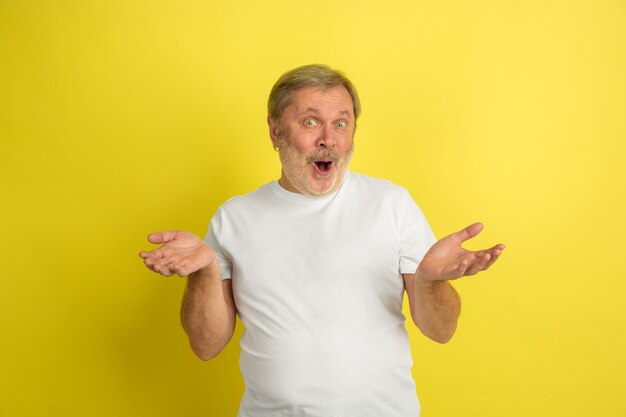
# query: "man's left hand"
447,260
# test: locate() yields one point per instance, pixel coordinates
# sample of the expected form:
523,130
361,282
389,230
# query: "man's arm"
208,312
435,304
435,307
208,308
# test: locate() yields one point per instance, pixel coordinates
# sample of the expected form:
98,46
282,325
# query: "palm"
447,260
182,253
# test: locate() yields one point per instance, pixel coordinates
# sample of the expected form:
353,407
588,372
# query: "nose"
326,138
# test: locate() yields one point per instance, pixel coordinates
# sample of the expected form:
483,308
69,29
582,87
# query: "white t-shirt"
317,284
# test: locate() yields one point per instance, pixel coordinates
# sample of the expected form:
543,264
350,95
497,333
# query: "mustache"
325,154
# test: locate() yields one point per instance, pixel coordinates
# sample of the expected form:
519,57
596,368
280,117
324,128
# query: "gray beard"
297,174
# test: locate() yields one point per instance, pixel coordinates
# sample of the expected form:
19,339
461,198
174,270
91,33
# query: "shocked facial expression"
314,140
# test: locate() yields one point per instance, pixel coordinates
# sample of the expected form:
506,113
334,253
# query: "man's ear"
273,131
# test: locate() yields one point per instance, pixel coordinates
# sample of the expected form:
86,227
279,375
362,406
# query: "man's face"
314,140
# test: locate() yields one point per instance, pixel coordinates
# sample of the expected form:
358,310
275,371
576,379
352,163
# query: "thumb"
470,231
162,237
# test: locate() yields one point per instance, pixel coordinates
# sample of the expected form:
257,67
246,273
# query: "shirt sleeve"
416,236
212,239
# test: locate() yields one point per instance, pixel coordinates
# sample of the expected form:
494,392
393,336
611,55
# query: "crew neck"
304,198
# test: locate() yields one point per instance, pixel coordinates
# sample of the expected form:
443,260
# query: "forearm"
436,309
208,312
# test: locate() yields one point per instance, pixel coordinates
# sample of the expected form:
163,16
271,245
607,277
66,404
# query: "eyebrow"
313,110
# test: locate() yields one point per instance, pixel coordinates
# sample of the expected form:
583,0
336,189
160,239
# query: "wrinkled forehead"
321,100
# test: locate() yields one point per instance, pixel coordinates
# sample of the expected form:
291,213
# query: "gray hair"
315,75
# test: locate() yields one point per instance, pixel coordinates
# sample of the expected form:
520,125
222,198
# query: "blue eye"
341,124
310,122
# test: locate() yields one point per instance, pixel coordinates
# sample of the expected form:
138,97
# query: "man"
316,265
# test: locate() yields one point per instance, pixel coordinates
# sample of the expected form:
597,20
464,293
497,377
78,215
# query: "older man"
316,265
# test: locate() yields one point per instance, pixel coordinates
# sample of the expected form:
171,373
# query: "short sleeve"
212,239
416,236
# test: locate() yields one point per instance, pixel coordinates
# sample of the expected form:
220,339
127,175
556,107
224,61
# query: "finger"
455,272
496,254
168,261
153,254
478,264
181,270
166,272
479,253
469,232
491,262
163,262
159,269
149,262
163,252
462,268
155,264
495,250
173,258
163,270
162,237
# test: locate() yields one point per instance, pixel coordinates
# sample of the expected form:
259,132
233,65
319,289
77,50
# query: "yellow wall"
118,118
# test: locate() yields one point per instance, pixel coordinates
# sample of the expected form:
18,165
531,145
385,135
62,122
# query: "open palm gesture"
447,260
181,253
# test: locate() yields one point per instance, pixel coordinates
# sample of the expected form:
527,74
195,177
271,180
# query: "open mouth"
323,167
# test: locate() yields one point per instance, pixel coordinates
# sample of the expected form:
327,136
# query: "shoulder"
376,186
241,209
255,199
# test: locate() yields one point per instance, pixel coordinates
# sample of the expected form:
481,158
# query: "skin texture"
317,126
208,309
435,304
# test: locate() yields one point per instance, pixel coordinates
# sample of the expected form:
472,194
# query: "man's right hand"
208,313
181,253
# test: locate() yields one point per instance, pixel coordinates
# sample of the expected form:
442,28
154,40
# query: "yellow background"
118,118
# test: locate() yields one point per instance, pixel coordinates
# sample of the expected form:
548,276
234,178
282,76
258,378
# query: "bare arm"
435,307
208,309
435,304
208,312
